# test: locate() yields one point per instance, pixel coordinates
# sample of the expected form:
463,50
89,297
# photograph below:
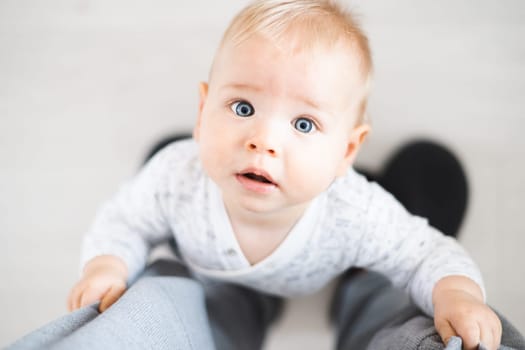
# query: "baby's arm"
437,272
459,310
103,279
116,248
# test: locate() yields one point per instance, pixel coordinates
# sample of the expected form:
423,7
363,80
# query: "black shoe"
429,181
164,142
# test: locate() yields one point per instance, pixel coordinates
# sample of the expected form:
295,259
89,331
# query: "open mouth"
257,181
258,178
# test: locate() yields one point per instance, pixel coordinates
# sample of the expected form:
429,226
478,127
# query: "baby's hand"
459,310
104,280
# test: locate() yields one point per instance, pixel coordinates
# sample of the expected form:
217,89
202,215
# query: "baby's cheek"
313,175
206,157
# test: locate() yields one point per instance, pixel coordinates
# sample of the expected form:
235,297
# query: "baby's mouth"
258,178
257,181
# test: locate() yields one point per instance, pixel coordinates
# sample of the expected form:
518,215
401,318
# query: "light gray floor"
87,86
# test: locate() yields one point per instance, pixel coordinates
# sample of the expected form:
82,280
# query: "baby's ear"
356,139
203,94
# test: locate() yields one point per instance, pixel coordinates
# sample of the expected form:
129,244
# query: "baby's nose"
255,146
264,140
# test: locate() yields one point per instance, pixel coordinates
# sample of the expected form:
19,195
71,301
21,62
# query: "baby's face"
276,128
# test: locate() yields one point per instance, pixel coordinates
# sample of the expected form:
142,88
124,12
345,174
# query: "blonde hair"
312,23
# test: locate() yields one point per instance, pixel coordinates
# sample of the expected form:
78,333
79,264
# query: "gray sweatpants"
165,309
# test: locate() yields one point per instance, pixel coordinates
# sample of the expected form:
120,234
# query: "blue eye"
242,109
304,125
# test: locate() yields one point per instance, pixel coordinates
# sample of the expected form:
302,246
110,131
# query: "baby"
265,195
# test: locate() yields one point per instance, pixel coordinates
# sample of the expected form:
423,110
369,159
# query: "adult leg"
364,303
371,314
156,312
44,337
164,309
239,317
419,333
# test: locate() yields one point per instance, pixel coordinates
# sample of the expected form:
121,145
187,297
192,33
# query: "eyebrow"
242,86
256,88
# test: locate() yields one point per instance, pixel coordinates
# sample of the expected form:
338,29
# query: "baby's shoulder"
177,152
353,194
176,155
351,188
347,198
178,160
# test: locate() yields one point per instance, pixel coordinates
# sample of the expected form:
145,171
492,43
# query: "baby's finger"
496,334
497,330
89,296
491,331
487,338
111,297
470,334
445,330
74,296
69,301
